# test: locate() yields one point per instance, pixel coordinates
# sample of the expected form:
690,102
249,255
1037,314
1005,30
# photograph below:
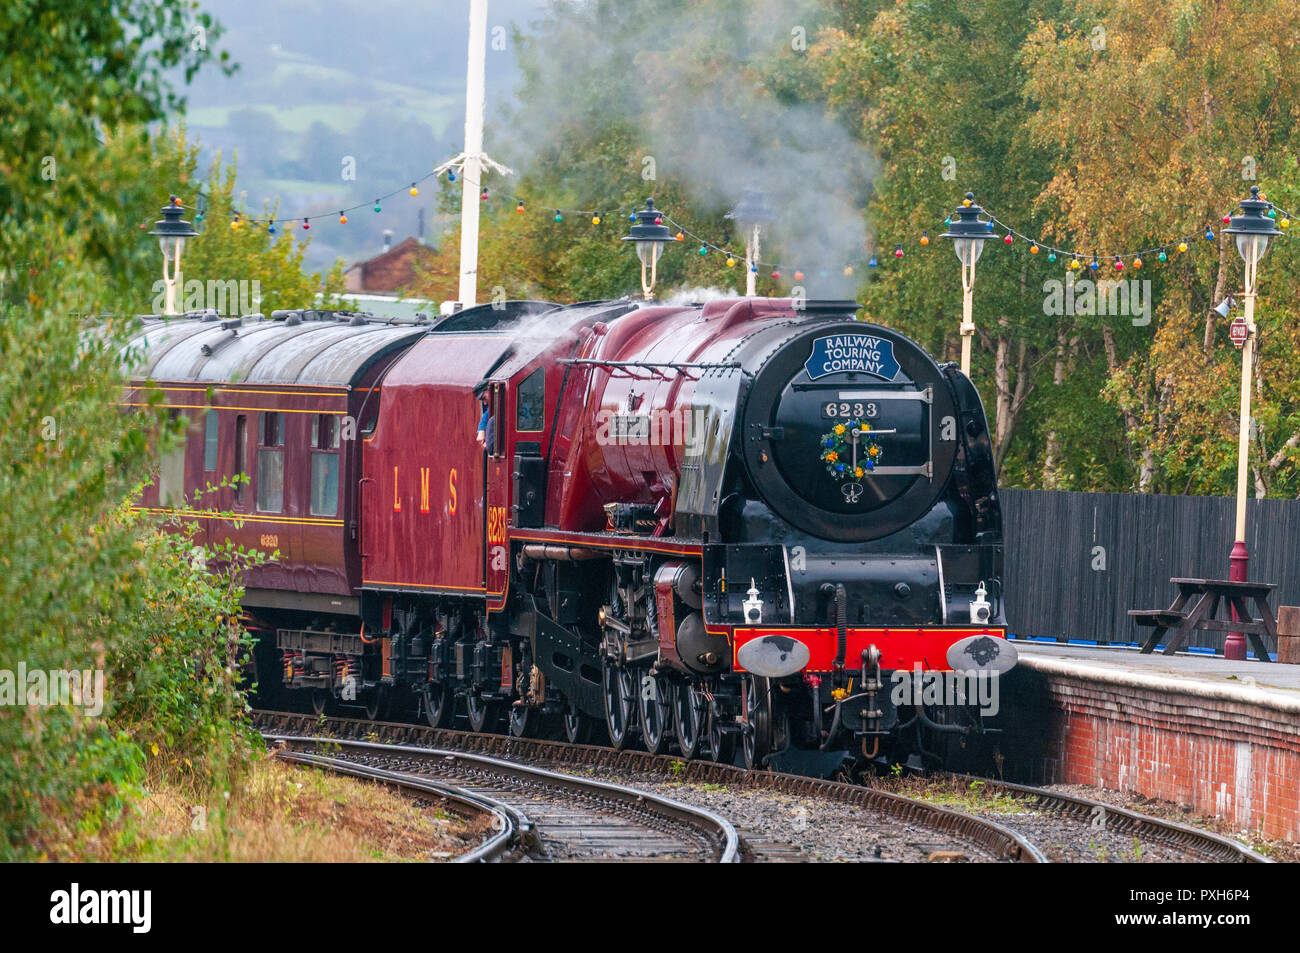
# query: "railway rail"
541,814
983,836
1069,813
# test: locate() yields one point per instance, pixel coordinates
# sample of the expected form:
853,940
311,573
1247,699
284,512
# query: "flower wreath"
838,454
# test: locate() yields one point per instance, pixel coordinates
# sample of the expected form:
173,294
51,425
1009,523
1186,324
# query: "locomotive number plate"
850,410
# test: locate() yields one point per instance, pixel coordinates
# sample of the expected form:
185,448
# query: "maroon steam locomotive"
745,522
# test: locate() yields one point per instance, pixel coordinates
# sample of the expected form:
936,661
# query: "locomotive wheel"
757,737
620,703
656,715
439,705
688,720
377,703
722,744
525,722
577,726
484,715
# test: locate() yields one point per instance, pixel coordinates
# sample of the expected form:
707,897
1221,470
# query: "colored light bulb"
520,208
704,250
1162,256
558,216
1033,248
731,263
378,207
1182,246
414,190
343,219
595,219
305,225
1051,256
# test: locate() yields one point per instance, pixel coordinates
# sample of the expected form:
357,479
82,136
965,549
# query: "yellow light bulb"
731,263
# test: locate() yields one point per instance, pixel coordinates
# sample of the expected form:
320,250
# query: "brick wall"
1237,758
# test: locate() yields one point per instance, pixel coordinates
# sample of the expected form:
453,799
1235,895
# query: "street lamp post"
172,231
750,215
968,233
1252,230
649,235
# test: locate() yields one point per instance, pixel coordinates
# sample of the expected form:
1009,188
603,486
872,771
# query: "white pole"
751,255
967,312
1243,421
472,173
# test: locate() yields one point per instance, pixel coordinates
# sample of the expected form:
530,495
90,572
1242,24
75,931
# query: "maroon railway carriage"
280,401
694,525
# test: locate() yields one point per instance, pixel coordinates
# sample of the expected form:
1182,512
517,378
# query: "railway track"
949,832
539,814
1060,822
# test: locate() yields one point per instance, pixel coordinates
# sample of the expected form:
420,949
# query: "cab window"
530,402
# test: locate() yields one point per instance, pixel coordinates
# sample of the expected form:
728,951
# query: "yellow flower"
874,451
858,472
839,428
832,456
154,748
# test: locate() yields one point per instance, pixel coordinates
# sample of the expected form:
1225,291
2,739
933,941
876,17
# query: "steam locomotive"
744,523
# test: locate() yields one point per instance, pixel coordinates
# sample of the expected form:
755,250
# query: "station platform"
1218,737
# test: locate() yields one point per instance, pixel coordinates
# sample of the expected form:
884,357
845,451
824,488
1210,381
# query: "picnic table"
1197,606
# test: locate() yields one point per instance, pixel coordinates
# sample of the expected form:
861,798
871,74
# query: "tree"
1203,100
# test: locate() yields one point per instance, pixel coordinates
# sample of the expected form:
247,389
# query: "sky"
380,83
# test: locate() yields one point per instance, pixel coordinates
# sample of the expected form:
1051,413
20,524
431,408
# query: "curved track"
987,837
552,816
1072,812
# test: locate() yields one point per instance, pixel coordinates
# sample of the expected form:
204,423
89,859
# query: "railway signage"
857,353
1238,331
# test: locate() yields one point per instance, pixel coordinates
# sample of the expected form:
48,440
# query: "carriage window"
272,429
171,478
324,465
325,432
241,457
211,423
529,398
171,473
324,483
270,464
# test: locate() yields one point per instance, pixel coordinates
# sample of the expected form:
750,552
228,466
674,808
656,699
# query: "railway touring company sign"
858,353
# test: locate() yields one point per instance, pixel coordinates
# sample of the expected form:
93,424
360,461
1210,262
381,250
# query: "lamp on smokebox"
750,215
1252,229
968,233
172,231
650,235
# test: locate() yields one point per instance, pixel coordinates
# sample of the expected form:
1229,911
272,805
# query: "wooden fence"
1077,562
